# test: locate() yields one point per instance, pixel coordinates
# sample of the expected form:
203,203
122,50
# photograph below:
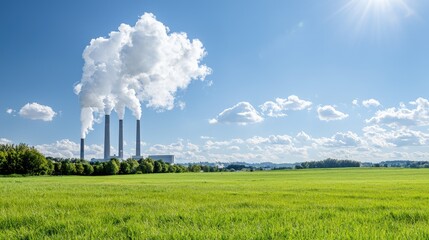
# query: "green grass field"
304,204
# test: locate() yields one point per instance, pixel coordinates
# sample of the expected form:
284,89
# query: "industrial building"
165,158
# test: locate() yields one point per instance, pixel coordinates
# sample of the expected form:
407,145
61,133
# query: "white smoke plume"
137,64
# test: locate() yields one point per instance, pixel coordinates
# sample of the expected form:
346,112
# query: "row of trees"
129,166
22,159
329,163
25,160
113,167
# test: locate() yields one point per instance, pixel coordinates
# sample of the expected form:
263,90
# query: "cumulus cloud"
5,141
355,102
183,151
329,113
141,63
272,139
272,109
370,103
206,137
66,148
210,144
415,115
35,111
302,137
281,105
10,111
234,148
340,139
276,148
242,113
395,137
408,137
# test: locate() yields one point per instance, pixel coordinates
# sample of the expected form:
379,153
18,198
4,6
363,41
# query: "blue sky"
350,78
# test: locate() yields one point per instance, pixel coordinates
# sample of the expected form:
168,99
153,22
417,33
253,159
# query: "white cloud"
206,137
371,103
302,137
293,103
393,116
243,113
210,145
66,148
272,139
234,148
418,115
272,109
181,105
355,102
184,151
193,147
256,140
395,137
10,111
280,139
376,136
5,141
340,139
209,83
408,137
35,111
278,108
329,113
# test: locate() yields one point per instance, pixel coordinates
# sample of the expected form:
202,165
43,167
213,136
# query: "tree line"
329,163
25,160
113,167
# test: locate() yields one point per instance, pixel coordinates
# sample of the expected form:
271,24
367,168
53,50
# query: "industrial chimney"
82,148
107,137
121,139
138,139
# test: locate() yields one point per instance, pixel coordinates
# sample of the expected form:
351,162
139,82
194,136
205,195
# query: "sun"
376,16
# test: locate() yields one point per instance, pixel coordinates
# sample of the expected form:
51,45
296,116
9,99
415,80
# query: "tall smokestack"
138,139
121,139
107,137
82,148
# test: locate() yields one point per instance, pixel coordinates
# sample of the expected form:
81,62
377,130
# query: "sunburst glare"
376,16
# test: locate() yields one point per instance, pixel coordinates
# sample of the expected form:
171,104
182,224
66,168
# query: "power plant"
107,156
166,158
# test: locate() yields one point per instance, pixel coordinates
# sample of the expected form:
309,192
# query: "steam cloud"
141,63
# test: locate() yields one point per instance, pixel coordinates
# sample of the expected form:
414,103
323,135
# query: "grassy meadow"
294,204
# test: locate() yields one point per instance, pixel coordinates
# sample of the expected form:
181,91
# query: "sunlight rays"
376,16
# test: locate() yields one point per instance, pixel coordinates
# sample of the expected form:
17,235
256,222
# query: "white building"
164,158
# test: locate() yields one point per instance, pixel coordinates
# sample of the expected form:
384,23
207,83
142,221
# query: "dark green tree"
133,165
79,168
88,169
147,166
158,166
124,168
112,167
165,167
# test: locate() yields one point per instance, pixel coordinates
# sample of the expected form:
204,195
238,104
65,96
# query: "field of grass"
304,204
